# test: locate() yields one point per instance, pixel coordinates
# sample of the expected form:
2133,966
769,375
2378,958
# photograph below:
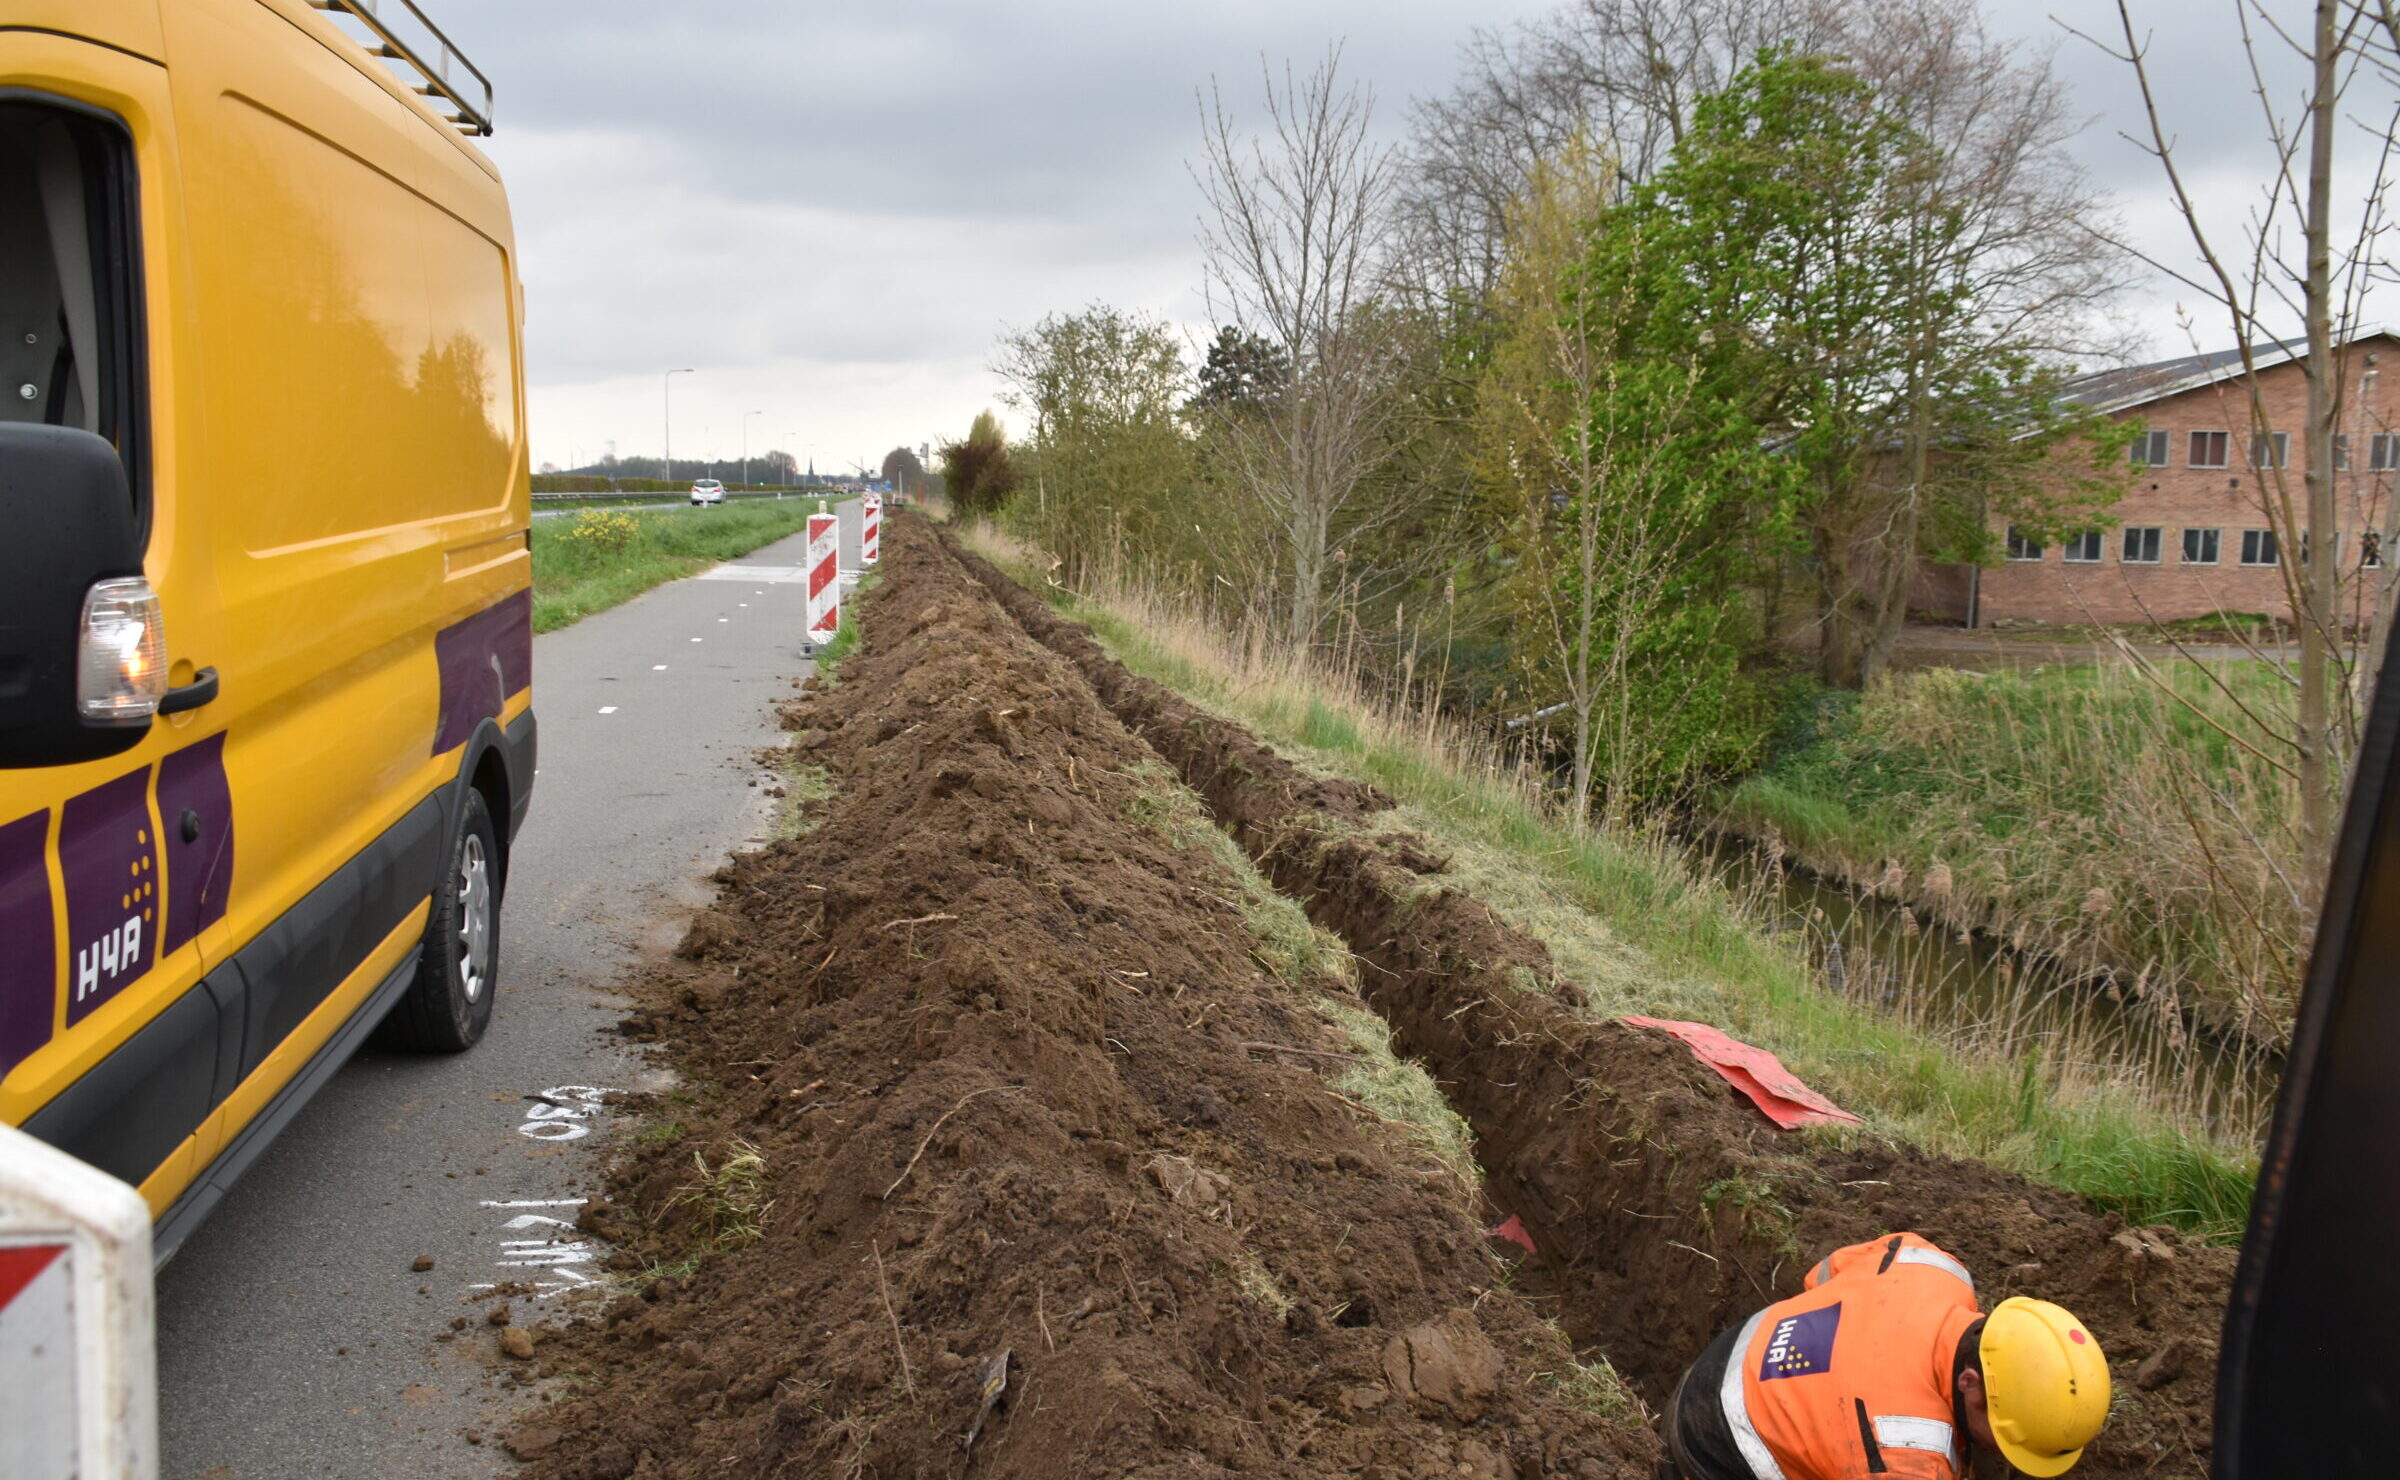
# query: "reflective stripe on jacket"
1852,1377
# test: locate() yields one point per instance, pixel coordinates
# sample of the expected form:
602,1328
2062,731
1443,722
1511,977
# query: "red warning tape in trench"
1756,1073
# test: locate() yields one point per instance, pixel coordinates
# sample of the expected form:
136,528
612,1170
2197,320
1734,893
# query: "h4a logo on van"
134,898
1802,1345
108,858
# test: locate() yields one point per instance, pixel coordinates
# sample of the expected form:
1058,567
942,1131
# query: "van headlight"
121,658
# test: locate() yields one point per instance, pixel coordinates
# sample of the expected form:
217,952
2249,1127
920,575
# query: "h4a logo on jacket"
1801,1344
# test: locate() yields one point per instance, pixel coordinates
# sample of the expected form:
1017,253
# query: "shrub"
603,532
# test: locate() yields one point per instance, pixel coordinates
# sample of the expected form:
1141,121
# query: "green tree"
1243,372
977,472
1840,299
1110,470
1632,491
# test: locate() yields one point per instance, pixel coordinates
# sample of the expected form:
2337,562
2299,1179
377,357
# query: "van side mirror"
66,525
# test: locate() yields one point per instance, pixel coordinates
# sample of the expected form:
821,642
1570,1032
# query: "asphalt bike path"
300,1331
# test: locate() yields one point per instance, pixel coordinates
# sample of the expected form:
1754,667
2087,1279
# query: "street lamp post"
746,445
667,401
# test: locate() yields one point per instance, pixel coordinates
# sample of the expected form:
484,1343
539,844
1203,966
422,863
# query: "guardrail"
656,495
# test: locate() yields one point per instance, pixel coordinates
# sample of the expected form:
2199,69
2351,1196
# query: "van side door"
113,871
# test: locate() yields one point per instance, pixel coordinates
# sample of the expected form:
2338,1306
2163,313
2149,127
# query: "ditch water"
1966,986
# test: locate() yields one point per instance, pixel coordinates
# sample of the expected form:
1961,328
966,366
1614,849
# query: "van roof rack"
447,94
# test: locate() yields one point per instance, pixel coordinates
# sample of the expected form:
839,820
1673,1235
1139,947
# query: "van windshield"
68,317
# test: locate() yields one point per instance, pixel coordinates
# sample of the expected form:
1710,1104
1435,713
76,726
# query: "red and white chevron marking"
871,531
824,568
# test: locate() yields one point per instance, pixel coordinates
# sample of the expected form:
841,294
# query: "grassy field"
1643,927
602,557
2141,826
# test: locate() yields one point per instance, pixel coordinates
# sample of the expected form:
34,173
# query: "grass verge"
1640,926
603,557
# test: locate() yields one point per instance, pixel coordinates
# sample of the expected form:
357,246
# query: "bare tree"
2262,288
1631,71
1295,242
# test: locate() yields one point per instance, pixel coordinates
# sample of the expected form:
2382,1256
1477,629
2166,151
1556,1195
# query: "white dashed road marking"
547,1243
608,709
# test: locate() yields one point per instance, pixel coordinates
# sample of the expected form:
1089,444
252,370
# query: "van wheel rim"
474,917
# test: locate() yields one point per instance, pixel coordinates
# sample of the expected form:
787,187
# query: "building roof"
2118,390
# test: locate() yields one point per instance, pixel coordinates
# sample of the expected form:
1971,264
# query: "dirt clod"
517,1342
421,1263
1188,1184
2162,1366
1448,1363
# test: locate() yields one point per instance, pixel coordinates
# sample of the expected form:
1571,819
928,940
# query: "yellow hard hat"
2046,1383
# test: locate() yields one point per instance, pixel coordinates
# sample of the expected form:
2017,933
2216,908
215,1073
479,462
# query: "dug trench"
1012,1144
1662,1208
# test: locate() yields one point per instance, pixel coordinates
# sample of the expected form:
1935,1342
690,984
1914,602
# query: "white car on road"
708,491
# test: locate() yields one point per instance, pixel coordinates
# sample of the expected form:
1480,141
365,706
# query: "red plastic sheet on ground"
1514,1231
1756,1073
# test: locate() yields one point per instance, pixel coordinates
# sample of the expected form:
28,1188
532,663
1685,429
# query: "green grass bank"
1641,926
602,557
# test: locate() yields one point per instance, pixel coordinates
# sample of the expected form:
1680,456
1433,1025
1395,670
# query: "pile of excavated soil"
1664,1209
993,1114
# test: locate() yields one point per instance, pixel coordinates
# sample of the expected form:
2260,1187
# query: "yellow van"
265,590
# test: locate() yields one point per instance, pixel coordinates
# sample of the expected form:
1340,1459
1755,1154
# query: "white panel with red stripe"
824,574
78,1366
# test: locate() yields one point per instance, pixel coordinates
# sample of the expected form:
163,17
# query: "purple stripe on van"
28,941
108,857
484,661
191,782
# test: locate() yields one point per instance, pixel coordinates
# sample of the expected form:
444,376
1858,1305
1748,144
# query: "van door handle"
191,695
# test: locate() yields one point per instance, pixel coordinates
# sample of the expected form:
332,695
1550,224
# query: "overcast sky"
831,211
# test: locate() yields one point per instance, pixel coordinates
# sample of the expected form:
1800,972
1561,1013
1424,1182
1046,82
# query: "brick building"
2192,537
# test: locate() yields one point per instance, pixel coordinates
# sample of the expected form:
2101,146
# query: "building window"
2370,549
2141,545
2082,549
2150,450
2200,546
2258,547
2022,546
2270,449
2209,449
2383,452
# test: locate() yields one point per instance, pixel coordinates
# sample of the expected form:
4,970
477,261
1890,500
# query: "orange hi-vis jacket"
1852,1377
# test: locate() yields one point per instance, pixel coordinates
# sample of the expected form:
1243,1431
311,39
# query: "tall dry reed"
2146,840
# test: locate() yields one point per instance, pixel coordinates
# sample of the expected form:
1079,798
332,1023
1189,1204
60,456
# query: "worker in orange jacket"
1884,1365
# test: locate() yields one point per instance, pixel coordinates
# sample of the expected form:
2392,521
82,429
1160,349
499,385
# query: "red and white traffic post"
870,532
824,568
78,1364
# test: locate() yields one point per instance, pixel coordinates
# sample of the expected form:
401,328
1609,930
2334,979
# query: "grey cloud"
819,196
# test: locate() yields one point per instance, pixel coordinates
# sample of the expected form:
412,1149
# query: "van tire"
447,1007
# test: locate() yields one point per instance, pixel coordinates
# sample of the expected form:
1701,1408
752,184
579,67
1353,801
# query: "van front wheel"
447,1007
